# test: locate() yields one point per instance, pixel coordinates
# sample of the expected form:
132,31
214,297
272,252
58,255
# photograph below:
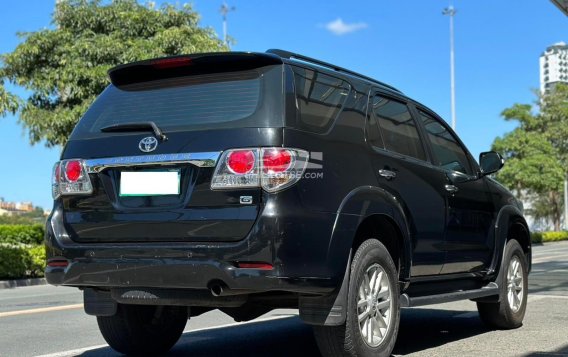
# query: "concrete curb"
9,284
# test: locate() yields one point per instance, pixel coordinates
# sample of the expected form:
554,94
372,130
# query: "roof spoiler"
185,65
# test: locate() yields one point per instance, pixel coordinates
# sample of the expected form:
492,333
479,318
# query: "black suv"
247,182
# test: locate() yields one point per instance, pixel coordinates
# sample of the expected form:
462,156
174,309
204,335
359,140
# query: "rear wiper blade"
140,126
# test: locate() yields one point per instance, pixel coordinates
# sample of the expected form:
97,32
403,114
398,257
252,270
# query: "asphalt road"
45,320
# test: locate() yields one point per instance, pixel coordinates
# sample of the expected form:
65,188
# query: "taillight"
70,177
241,162
55,177
73,170
273,169
276,160
237,168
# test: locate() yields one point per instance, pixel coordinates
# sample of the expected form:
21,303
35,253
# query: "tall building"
562,5
553,66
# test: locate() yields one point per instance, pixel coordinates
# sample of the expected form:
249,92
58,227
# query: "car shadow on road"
420,329
287,336
425,328
562,351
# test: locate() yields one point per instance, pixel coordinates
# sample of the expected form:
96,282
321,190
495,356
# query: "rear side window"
448,153
398,129
212,101
319,98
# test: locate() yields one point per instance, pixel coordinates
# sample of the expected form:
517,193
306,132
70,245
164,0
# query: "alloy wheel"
374,305
515,287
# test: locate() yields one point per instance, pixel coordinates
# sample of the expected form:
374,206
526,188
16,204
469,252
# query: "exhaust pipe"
217,289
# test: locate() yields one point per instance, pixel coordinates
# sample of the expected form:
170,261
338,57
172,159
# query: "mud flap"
329,310
99,303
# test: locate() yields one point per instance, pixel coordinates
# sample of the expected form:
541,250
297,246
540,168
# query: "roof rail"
290,55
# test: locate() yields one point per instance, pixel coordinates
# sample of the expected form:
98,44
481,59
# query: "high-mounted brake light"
70,177
273,169
171,62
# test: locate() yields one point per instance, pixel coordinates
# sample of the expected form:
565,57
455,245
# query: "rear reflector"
57,263
258,266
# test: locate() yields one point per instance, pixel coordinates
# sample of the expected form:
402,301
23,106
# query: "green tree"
64,68
537,153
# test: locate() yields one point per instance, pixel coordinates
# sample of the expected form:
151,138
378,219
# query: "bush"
18,261
22,234
554,236
14,261
19,219
37,261
540,237
536,237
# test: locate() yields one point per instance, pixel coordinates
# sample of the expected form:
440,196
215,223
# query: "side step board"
488,290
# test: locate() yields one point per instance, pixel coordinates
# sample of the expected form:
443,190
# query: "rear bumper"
294,243
180,274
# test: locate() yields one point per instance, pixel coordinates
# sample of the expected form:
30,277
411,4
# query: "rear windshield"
241,99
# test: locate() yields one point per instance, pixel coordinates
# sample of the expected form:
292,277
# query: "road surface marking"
536,297
40,310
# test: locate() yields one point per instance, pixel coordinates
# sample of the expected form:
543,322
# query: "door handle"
451,189
388,174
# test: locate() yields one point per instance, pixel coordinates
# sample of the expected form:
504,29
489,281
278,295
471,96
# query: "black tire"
143,330
347,339
502,315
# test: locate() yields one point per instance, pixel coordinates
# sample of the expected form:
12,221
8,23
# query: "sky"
404,43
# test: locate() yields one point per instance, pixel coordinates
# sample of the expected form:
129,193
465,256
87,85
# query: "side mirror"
490,162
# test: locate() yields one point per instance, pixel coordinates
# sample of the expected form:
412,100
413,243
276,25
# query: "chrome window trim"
200,159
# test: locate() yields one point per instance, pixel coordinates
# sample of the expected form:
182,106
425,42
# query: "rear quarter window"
319,99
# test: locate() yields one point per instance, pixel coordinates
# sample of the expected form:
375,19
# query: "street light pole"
566,202
451,12
225,9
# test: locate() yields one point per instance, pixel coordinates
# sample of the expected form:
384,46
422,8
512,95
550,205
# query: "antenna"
225,9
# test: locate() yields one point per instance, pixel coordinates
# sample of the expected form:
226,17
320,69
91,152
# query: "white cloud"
338,27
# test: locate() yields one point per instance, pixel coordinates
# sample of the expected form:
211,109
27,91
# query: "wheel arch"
371,212
510,224
366,212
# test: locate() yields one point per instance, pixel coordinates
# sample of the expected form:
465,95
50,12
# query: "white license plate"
149,183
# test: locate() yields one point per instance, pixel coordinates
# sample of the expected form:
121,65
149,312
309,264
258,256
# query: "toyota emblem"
148,144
